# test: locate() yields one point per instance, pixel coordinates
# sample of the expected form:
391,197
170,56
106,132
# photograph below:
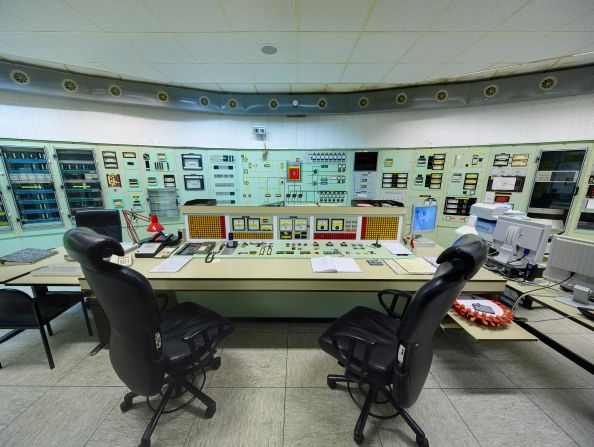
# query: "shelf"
33,191
40,211
36,201
25,160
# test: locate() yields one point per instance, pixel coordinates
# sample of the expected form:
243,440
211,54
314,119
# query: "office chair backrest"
129,302
426,309
106,222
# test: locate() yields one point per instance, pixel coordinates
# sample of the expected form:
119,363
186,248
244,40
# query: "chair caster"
216,363
331,384
210,411
422,441
145,443
125,406
358,438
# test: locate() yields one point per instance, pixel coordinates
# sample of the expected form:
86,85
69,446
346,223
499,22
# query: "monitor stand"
579,298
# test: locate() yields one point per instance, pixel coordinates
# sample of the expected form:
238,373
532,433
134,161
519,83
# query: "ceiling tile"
8,22
440,47
98,48
458,68
337,88
115,15
365,73
553,46
155,47
475,15
325,48
308,88
584,22
382,47
37,62
580,59
238,88
273,88
274,73
48,15
494,47
404,15
185,73
261,15
545,15
41,46
91,68
508,70
335,15
405,73
319,73
195,16
208,87
251,44
212,47
137,71
230,73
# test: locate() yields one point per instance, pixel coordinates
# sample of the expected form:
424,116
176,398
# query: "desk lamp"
153,227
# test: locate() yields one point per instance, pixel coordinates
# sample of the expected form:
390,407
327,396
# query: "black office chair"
106,222
19,311
391,353
148,349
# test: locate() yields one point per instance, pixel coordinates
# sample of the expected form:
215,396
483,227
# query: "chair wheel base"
422,441
125,405
331,384
210,411
145,443
358,438
216,363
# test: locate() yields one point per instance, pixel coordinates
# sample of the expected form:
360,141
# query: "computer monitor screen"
518,239
423,219
571,263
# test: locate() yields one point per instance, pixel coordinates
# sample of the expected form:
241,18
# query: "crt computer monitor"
424,219
571,263
519,239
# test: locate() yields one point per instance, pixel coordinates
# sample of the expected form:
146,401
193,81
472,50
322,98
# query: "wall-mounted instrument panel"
4,221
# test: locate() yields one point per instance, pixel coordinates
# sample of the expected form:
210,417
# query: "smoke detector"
19,77
70,85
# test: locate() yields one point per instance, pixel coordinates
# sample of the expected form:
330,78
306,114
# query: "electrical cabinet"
80,178
4,221
32,186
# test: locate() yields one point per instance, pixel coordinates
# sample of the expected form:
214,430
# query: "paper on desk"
327,264
397,249
128,246
172,265
149,248
416,266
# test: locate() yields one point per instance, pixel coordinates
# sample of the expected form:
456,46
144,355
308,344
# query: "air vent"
204,101
115,90
441,95
548,83
322,103
232,103
273,104
401,98
70,85
19,77
363,102
162,96
490,91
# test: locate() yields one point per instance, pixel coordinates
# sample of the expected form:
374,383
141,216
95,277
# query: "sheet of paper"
395,267
323,264
149,247
123,260
70,269
504,183
172,264
346,265
128,246
397,249
416,266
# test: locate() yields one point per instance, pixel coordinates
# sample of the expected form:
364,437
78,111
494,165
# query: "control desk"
291,232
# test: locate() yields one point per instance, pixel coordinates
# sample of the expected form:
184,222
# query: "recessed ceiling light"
268,49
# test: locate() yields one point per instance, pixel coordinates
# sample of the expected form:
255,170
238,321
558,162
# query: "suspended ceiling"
323,45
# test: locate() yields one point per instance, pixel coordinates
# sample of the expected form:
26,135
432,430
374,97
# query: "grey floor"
271,391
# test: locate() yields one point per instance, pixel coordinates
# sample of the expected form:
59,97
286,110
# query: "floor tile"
125,429
68,349
251,367
323,417
15,399
72,320
19,345
307,364
258,326
92,371
506,417
257,340
314,327
572,410
245,417
436,416
63,417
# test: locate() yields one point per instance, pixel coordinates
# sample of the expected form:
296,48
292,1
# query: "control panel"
395,174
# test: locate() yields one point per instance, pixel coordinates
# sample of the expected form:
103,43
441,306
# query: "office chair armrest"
202,332
396,295
347,359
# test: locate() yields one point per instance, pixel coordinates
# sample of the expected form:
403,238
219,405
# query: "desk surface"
546,297
11,272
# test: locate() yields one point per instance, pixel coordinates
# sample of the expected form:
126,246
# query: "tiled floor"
271,391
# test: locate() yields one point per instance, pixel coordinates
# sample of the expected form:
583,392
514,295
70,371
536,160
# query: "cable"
539,288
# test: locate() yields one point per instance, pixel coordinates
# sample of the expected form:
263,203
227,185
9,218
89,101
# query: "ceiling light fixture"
268,49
